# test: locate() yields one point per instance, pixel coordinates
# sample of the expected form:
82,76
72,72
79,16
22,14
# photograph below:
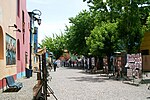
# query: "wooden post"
39,71
44,75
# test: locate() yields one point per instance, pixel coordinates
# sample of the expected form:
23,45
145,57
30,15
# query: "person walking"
55,65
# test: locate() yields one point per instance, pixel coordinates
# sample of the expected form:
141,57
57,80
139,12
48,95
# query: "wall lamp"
38,20
17,30
38,13
15,26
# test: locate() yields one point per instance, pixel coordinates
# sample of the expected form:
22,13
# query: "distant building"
66,55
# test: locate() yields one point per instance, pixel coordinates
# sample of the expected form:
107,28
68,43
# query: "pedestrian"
58,63
55,65
49,64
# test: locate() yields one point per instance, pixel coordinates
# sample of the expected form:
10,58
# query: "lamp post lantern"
34,16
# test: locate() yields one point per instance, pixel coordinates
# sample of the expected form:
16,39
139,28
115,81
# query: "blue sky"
55,14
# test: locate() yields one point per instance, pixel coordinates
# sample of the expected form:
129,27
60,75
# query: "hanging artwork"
134,61
10,50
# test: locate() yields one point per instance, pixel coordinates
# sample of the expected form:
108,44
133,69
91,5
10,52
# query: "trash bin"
28,73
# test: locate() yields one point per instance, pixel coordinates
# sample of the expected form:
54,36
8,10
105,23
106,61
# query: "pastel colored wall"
146,41
23,37
145,45
9,17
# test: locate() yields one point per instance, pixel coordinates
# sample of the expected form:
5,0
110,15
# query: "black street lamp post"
33,17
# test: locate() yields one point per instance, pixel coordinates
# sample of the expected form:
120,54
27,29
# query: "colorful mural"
10,50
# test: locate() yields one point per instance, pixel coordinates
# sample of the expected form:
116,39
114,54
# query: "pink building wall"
23,39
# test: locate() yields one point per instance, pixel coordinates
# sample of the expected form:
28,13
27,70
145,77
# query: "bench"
12,84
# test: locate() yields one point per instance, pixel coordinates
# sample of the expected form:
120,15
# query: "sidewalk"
76,84
25,93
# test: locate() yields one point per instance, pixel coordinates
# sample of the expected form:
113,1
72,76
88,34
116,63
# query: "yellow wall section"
145,42
145,45
8,15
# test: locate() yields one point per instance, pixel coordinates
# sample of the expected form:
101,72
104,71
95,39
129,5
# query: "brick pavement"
75,84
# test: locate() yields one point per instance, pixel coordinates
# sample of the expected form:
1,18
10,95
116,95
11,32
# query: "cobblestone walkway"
74,84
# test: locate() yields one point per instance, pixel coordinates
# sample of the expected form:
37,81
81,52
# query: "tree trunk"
108,61
100,62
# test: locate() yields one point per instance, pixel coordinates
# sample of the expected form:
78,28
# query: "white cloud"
48,29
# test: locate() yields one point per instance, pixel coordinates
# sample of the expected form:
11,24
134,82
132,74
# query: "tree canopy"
108,26
55,44
131,15
81,27
103,39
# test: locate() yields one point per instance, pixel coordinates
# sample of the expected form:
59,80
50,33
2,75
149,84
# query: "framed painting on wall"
10,50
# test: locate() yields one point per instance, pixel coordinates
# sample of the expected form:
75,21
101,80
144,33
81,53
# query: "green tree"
103,40
131,15
81,27
131,23
55,44
146,27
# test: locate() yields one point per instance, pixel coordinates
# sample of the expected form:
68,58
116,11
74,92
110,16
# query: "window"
1,44
23,38
35,59
26,58
23,22
18,49
18,8
145,52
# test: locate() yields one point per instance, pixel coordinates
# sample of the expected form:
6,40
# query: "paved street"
75,84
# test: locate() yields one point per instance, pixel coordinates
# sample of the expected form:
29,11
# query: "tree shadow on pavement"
79,68
145,81
88,79
148,97
90,72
